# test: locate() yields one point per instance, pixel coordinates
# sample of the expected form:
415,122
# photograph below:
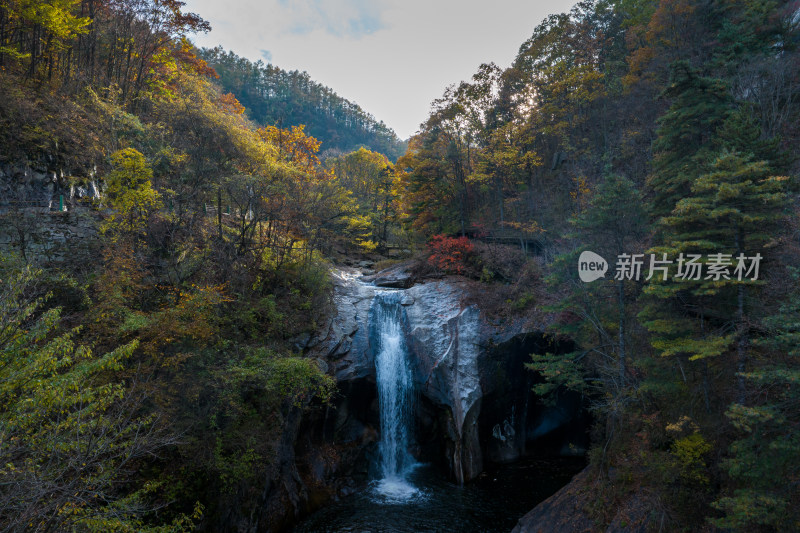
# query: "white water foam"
395,396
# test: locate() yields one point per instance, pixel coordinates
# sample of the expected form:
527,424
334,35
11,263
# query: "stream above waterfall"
495,501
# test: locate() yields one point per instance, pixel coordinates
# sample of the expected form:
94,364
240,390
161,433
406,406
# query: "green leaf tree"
69,434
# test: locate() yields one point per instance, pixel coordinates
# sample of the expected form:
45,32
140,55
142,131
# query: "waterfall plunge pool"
493,502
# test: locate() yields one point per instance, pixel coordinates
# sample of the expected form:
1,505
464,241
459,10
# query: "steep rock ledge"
475,402
444,337
568,510
344,342
468,369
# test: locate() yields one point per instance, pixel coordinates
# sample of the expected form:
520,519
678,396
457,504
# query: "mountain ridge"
284,98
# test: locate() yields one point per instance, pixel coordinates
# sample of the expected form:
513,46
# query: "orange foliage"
293,145
229,103
665,35
185,56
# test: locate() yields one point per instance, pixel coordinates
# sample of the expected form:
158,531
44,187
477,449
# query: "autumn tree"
72,434
372,180
35,31
130,193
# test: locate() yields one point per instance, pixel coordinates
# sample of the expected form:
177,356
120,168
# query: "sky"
392,57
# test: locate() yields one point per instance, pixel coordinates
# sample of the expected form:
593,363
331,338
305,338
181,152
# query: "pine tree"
687,139
768,443
726,220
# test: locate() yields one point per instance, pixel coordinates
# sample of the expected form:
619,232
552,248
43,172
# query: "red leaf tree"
449,253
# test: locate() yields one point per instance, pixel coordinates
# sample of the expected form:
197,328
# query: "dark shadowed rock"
563,512
566,511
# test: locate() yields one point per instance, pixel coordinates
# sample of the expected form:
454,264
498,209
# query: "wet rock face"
478,400
515,422
444,337
396,277
344,342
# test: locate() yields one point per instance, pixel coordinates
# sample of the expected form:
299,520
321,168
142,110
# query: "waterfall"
395,397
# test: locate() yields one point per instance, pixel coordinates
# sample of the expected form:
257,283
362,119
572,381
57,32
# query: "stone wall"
45,216
51,235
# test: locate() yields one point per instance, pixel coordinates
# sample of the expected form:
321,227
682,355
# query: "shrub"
498,262
449,254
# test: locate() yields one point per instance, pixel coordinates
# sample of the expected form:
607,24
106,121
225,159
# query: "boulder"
567,511
396,277
563,512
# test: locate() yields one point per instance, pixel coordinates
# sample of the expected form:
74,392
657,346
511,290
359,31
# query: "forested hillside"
666,129
147,367
277,97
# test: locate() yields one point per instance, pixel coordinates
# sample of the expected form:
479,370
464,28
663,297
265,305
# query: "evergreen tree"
763,458
720,230
687,139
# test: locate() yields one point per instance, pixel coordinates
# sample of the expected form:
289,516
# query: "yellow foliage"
689,451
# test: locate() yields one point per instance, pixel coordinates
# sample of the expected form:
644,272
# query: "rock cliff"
468,369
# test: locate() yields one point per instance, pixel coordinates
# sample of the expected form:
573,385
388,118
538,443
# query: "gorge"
436,400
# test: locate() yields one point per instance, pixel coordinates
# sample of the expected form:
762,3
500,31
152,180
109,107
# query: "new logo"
591,267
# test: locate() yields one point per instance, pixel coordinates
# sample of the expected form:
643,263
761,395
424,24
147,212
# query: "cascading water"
395,397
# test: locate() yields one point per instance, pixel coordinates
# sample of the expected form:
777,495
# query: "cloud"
340,18
266,55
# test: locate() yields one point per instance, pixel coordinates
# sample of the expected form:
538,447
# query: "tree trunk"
621,304
741,343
